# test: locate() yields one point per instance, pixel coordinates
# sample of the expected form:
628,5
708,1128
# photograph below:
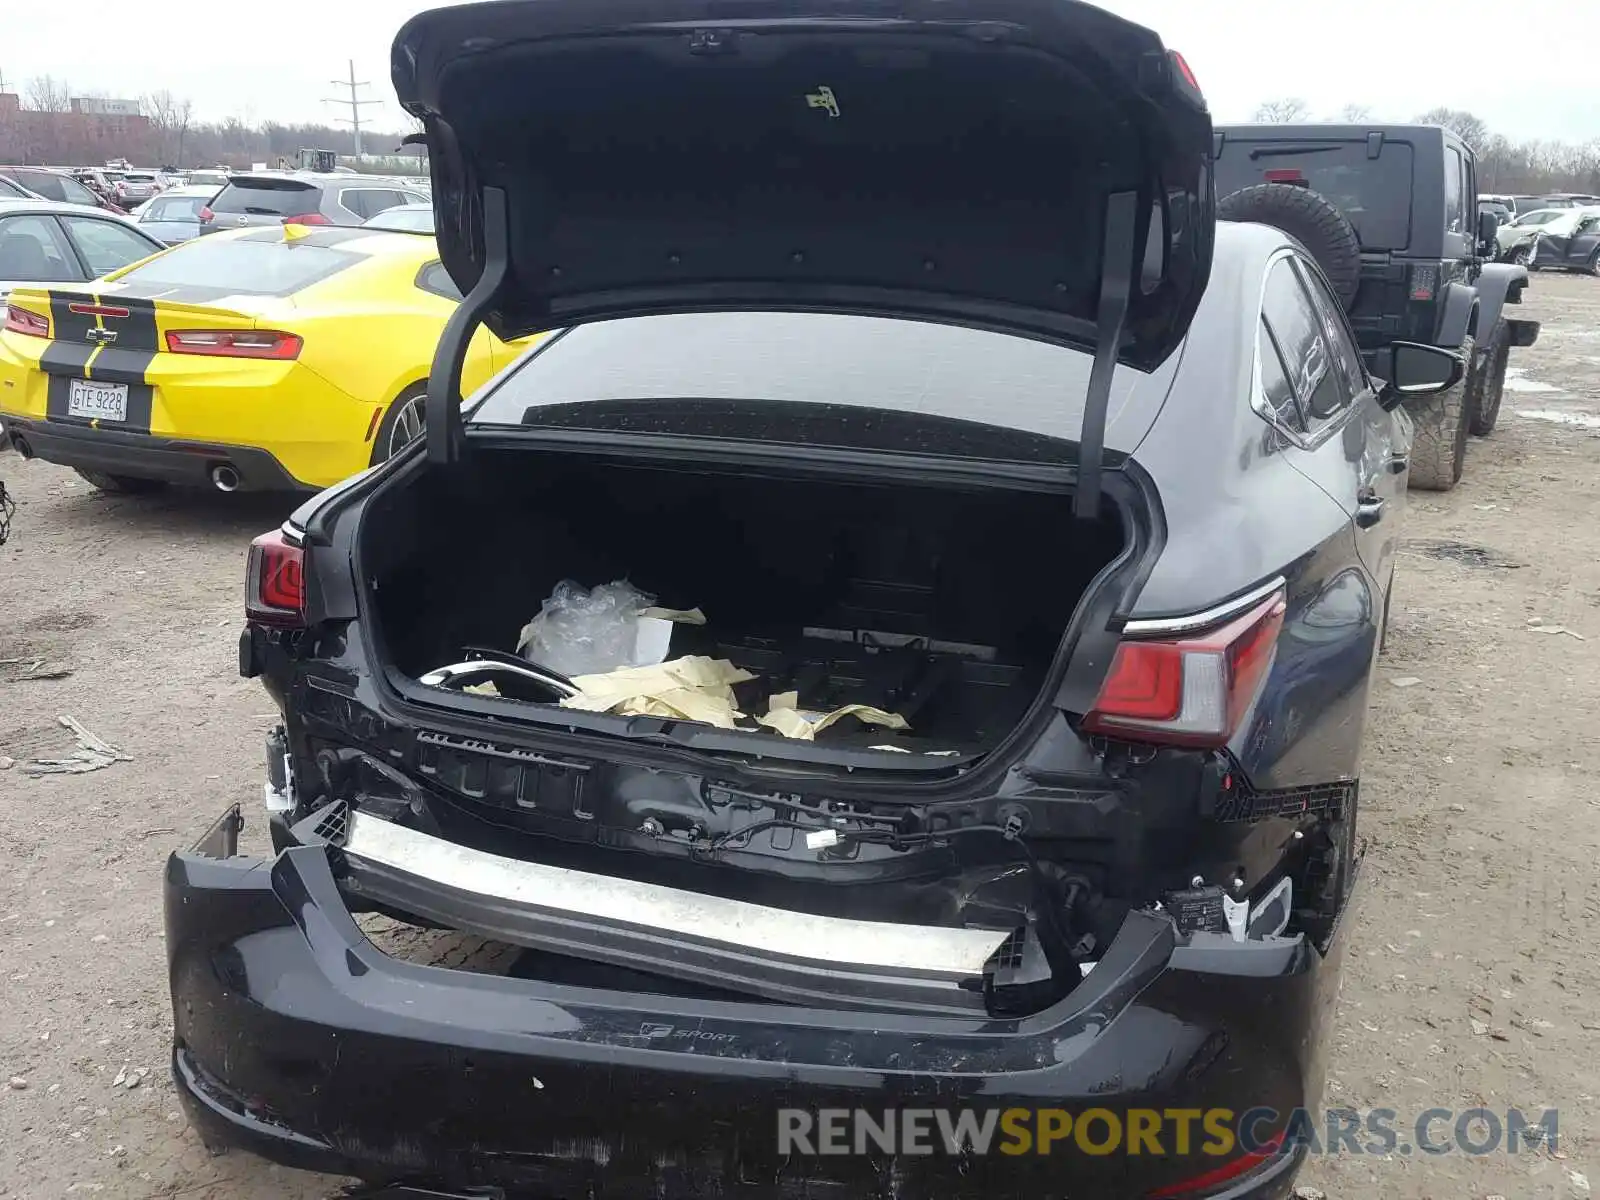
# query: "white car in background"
42,241
174,216
1514,240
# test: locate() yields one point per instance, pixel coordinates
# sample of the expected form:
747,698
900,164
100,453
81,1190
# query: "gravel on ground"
1473,967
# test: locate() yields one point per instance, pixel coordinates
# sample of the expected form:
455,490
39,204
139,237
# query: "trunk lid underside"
1037,167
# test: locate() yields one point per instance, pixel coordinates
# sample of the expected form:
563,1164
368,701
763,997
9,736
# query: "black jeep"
1391,213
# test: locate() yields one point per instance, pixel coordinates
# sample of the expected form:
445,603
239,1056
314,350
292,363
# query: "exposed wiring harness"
1011,831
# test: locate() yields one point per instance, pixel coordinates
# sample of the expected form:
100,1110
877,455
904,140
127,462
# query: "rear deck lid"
1038,167
938,158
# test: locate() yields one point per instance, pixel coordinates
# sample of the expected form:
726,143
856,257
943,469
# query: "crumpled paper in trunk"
693,688
785,716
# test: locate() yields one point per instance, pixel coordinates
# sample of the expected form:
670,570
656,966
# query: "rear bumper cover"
297,1038
145,456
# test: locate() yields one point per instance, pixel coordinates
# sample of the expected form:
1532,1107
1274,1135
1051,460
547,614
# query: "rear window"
658,372
176,208
42,183
226,266
1373,193
267,199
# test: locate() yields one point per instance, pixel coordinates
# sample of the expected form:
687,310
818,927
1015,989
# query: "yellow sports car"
263,359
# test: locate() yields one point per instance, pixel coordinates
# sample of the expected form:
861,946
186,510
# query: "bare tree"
1355,114
46,93
1472,130
169,121
1500,163
1282,112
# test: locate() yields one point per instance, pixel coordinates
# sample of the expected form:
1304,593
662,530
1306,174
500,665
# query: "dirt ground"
1473,968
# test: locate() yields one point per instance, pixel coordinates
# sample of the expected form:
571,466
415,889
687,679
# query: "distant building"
101,106
91,132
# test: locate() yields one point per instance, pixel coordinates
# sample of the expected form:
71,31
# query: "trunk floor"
954,698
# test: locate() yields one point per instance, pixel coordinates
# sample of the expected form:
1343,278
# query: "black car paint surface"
279,935
297,1037
549,1090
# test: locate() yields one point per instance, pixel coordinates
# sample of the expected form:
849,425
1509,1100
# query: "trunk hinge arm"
445,433
1116,288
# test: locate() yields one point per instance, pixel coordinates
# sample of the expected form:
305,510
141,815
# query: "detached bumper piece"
790,957
299,1039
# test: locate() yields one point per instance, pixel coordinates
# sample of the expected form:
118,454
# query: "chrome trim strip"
738,924
1202,620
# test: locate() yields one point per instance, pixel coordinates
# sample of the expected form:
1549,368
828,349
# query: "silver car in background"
174,216
135,187
303,198
404,218
43,242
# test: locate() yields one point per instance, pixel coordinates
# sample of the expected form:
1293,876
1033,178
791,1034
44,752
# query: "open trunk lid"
1037,167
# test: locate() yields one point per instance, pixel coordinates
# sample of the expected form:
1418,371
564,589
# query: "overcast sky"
1391,55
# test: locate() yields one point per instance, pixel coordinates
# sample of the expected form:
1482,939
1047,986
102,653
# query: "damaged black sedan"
904,643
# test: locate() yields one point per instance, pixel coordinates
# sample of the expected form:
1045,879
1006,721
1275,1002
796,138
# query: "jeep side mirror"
1488,226
1419,370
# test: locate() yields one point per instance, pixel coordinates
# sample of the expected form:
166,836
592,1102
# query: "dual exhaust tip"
224,476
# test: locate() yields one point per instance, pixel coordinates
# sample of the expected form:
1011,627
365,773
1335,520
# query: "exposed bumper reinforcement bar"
733,944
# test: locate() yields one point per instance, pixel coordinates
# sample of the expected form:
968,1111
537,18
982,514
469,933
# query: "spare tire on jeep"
1316,223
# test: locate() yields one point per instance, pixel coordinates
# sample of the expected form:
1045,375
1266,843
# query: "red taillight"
22,320
206,215
310,218
1190,690
1185,72
235,343
275,585
1213,1180
1284,175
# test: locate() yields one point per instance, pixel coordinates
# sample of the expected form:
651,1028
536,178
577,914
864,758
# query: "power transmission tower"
355,102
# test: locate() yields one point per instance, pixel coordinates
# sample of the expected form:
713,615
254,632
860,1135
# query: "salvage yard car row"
269,359
1022,590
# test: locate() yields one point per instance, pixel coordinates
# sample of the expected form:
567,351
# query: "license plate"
97,401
